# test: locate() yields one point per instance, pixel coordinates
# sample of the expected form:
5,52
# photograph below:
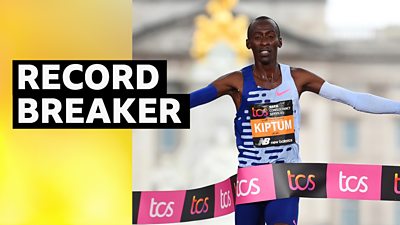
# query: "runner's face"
264,41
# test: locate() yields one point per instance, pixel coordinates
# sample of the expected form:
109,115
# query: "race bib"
272,124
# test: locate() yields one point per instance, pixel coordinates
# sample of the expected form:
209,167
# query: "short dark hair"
260,18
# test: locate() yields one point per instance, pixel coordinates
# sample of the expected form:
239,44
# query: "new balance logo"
264,141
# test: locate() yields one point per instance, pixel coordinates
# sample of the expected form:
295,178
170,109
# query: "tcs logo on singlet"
259,112
354,182
296,181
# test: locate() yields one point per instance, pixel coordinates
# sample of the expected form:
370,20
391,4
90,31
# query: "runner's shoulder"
306,80
297,72
232,75
231,78
301,75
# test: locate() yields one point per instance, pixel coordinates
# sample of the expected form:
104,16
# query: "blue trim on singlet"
249,84
274,151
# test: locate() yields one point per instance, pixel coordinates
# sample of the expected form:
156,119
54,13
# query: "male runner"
269,92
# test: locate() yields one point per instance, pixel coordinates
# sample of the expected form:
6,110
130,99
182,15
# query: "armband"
202,96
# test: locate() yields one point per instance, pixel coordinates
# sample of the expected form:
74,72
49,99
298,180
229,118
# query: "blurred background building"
354,44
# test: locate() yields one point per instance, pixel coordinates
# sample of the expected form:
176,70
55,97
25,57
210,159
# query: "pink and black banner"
268,182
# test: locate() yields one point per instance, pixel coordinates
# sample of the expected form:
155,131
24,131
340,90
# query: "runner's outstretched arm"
363,102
